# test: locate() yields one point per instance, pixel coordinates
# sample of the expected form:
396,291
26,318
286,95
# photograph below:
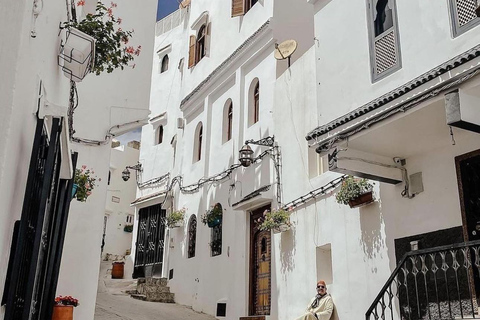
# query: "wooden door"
260,266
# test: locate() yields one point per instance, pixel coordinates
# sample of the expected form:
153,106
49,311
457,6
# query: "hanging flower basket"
86,181
361,200
276,220
355,192
128,228
213,217
281,228
74,190
176,218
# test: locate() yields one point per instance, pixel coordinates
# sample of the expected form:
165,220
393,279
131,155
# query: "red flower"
81,3
130,50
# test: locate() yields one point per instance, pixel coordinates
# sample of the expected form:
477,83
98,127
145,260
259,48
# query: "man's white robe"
323,311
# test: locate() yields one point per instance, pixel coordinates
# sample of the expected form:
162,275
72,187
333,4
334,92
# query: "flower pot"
177,224
117,270
281,228
361,200
214,223
74,190
61,312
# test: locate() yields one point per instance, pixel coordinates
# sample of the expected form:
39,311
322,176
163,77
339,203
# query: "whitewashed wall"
104,101
117,241
23,61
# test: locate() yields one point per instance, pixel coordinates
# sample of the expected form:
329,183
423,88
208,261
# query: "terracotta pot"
117,270
361,200
62,312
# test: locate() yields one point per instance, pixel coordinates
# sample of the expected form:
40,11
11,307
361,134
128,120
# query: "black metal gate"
150,242
38,239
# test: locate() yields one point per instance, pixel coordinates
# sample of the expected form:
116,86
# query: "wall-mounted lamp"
246,153
126,172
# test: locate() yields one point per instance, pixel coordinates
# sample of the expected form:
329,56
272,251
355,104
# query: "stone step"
161,297
138,296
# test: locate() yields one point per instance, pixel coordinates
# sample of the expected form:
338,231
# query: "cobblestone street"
114,304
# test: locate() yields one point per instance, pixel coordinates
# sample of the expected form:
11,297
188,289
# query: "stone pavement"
114,304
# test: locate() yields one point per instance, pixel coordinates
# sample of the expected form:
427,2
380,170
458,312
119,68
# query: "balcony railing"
436,283
169,22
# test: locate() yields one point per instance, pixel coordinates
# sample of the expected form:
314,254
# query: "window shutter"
238,8
191,52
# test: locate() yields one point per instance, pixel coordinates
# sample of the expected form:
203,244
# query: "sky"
129,136
165,7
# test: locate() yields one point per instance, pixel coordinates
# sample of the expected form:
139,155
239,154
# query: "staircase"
436,283
153,289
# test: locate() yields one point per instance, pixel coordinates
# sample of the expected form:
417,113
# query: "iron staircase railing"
435,283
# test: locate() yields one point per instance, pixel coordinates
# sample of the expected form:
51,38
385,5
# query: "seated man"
321,306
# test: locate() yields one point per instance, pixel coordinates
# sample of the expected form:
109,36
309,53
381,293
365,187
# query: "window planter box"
362,200
281,228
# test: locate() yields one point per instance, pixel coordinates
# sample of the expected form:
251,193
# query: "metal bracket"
267,142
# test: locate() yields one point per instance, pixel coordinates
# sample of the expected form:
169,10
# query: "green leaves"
274,219
352,188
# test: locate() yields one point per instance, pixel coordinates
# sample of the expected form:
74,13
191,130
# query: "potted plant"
176,218
63,308
213,217
84,180
111,50
276,220
128,227
355,192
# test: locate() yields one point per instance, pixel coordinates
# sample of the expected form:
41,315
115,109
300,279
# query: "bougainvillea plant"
85,181
111,50
66,301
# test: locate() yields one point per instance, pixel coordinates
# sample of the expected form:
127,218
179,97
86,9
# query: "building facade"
369,93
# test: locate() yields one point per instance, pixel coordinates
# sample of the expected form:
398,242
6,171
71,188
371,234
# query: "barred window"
384,39
192,236
463,16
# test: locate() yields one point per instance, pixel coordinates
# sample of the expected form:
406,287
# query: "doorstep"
255,318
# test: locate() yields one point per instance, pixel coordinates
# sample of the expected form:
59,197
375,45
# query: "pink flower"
130,50
119,20
88,193
114,5
84,167
110,12
81,3
87,185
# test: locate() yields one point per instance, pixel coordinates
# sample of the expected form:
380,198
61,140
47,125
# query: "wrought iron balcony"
436,283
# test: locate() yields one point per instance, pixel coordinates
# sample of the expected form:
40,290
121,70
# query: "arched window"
160,134
227,121
201,43
254,102
197,149
192,236
216,236
164,64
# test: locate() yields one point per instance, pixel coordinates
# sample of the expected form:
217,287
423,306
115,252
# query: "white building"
370,81
107,105
118,220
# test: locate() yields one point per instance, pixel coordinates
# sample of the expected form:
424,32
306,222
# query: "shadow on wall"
287,252
371,221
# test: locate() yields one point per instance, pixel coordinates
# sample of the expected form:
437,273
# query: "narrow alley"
114,304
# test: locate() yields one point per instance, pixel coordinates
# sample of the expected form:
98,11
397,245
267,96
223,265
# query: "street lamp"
126,172
246,152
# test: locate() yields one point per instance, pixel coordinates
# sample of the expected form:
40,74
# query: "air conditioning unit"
180,123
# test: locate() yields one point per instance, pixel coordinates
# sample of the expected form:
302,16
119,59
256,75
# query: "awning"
149,197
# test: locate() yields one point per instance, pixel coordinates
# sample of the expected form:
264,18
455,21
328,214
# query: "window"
197,150
241,7
463,16
129,219
216,236
227,121
324,263
109,177
160,134
383,34
254,102
200,44
164,64
192,236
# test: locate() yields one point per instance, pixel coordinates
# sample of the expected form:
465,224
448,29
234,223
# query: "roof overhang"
149,199
440,80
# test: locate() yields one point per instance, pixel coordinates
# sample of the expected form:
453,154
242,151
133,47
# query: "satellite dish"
285,49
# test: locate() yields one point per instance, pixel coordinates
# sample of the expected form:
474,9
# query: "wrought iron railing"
436,283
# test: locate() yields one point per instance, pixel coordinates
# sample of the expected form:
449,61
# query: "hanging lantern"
246,156
77,54
125,174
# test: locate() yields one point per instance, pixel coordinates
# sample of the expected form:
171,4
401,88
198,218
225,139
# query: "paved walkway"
114,304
